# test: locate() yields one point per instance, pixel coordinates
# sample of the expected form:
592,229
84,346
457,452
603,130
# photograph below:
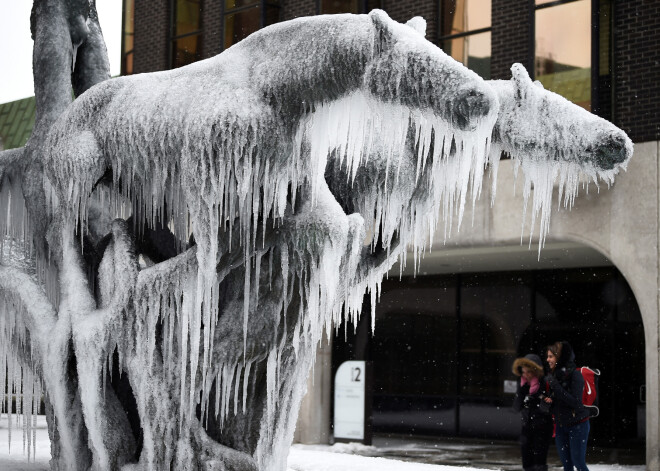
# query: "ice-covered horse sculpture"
251,180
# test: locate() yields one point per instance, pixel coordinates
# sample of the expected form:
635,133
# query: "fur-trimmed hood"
530,361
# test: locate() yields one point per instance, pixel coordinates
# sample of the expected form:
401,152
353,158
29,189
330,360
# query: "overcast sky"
16,44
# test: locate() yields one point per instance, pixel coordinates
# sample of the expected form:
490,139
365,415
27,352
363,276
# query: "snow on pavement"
13,458
301,458
314,460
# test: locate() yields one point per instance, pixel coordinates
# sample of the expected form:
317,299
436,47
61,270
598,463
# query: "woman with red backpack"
565,397
535,414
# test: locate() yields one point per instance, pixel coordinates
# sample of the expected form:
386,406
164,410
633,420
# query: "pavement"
448,451
487,454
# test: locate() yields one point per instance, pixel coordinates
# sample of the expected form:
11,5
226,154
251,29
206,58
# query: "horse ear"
382,22
522,82
418,24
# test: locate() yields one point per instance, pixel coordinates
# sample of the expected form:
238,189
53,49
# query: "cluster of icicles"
21,394
247,186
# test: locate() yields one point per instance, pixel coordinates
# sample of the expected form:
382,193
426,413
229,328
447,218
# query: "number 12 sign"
350,400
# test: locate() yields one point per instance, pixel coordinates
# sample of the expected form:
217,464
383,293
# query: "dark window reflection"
240,25
241,18
415,348
187,34
231,4
188,17
339,6
562,60
187,50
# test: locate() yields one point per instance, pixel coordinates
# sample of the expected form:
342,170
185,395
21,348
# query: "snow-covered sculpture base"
204,225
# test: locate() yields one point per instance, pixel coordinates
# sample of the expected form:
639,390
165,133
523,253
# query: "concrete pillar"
313,426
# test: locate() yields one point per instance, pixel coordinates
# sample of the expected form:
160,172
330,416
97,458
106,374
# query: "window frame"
172,31
263,5
440,38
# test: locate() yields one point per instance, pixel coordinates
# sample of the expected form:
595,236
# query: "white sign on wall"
349,400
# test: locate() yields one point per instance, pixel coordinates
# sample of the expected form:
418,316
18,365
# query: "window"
243,17
331,7
465,28
186,32
338,6
127,37
572,50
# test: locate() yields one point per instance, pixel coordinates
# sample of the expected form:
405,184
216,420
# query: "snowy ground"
339,457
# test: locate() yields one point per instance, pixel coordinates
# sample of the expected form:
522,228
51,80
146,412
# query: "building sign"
510,386
350,381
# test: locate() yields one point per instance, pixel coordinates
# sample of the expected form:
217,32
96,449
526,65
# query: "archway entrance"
444,345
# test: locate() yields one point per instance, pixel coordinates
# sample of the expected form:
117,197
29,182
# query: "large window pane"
127,37
241,24
563,50
460,16
272,15
187,50
128,63
188,17
473,51
231,4
371,4
414,356
129,13
495,312
339,6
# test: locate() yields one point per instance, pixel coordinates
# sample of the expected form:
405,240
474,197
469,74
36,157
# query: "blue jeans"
572,445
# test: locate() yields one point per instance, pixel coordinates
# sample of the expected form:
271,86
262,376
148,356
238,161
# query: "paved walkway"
488,454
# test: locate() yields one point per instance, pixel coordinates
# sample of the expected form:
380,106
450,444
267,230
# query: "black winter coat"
566,385
533,414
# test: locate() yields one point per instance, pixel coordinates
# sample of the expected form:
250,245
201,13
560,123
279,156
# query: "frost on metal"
176,243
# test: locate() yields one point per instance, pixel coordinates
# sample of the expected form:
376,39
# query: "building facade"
446,338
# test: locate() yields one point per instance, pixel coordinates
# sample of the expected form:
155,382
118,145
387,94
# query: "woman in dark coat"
535,414
571,417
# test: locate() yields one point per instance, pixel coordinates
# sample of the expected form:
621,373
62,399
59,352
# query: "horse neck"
304,63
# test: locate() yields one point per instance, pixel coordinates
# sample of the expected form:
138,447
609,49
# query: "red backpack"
590,391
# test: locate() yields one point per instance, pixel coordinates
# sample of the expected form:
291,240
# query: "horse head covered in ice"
192,351
554,141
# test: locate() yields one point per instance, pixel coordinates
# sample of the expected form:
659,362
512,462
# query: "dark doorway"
444,345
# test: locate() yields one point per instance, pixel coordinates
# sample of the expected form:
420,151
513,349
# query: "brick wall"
151,35
295,8
637,68
212,27
402,11
510,36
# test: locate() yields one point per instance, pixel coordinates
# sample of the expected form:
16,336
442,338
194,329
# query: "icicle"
246,380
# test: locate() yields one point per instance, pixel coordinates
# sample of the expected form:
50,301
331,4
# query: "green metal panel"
16,122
